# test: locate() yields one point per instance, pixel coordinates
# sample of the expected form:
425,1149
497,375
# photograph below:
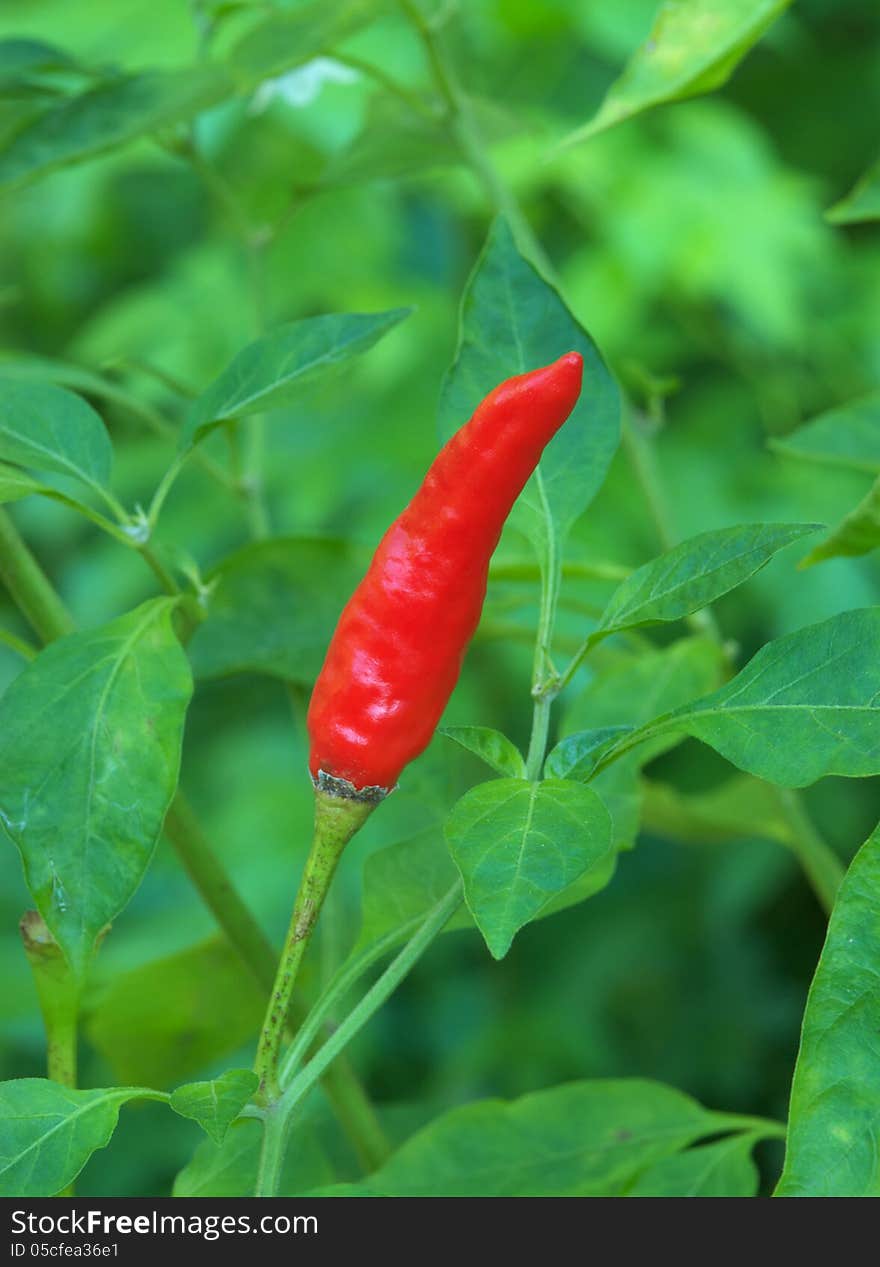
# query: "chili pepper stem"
337,818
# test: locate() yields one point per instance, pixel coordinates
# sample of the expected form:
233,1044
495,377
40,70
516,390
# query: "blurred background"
692,244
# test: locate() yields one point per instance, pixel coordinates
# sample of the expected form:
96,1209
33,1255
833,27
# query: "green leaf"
640,688
22,59
48,1132
160,1022
405,881
229,1169
90,736
284,41
577,756
804,707
216,1104
271,371
110,115
490,746
847,436
518,845
694,47
513,321
833,1145
857,533
721,1169
273,608
862,203
694,574
740,807
583,1139
15,484
46,427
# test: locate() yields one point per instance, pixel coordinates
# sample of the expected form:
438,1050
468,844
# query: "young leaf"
110,115
90,737
159,1022
862,203
513,321
48,1132
518,844
806,706
722,1169
216,1104
847,436
694,47
577,756
273,607
230,1169
834,1122
583,1139
270,372
490,746
857,533
46,427
694,574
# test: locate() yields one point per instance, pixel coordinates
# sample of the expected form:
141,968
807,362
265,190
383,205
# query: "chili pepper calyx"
345,790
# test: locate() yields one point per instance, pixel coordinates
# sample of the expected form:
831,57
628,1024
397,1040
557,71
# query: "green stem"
18,645
538,738
337,818
28,586
276,1128
58,994
466,134
386,81
217,891
244,934
381,990
337,988
821,865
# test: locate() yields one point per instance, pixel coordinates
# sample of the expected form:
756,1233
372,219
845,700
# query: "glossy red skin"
397,650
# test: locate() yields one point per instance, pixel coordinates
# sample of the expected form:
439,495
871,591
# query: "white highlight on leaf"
301,86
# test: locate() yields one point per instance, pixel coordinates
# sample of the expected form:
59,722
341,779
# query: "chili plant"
610,683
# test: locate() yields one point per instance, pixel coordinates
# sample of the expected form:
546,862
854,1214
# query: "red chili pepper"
397,650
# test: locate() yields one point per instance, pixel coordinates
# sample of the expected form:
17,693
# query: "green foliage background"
692,244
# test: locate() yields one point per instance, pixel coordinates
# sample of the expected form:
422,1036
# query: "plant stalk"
337,818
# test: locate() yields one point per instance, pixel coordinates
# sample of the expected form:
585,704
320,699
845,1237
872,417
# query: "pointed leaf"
583,1139
48,1132
490,746
110,115
857,533
694,46
49,428
270,372
518,845
577,756
834,1121
806,706
513,321
216,1104
847,436
90,736
694,574
721,1169
862,203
